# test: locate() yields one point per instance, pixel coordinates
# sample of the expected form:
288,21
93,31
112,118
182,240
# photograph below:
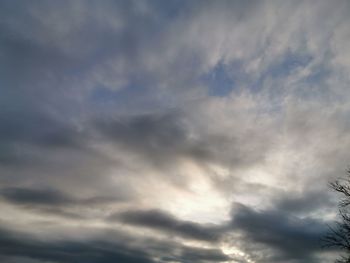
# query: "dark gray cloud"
19,245
37,197
36,128
306,201
56,202
292,237
162,221
16,244
163,138
153,135
21,128
27,196
160,138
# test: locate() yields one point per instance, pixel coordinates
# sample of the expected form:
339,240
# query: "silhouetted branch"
339,235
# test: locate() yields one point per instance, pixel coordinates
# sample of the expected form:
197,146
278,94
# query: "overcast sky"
171,131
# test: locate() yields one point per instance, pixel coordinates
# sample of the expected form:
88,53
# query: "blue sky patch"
219,82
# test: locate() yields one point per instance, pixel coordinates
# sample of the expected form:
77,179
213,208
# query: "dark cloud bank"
290,237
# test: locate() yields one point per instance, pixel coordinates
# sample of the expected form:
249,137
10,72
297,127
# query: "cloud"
204,255
159,220
305,202
26,196
292,237
101,248
183,106
38,197
158,136
17,245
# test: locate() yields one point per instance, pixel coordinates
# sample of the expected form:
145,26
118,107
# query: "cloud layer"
171,131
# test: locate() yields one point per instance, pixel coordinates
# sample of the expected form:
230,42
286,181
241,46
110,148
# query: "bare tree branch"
339,235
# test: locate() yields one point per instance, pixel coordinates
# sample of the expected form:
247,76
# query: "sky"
172,131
